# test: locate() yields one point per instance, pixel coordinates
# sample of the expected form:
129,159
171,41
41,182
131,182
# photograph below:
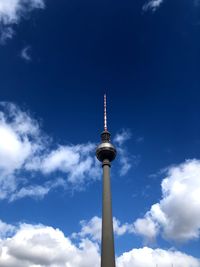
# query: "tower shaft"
107,243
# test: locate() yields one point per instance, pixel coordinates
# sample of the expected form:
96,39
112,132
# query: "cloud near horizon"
39,245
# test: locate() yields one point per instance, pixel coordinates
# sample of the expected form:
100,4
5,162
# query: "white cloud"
177,214
12,11
25,152
38,245
92,229
26,53
147,228
44,246
125,159
25,149
152,5
121,228
37,191
19,138
121,137
77,161
156,257
6,230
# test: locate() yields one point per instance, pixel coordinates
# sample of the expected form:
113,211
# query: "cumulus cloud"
44,246
12,11
147,228
152,5
156,257
38,245
177,215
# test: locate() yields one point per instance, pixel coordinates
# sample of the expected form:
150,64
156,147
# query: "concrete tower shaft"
106,153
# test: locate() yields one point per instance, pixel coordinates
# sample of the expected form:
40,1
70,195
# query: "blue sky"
58,58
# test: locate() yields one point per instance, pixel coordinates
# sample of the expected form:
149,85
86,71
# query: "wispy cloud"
37,191
152,5
139,139
26,53
126,160
11,13
123,136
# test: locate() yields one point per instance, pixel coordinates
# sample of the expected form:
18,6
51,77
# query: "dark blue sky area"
148,64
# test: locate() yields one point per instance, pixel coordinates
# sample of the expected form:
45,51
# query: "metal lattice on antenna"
105,114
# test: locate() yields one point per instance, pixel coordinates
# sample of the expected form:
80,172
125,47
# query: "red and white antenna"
105,114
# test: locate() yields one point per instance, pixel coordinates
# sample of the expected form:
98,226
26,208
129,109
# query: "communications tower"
106,153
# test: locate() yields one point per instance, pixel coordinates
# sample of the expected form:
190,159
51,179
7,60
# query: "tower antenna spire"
105,114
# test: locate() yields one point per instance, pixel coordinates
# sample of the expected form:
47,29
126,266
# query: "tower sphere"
105,150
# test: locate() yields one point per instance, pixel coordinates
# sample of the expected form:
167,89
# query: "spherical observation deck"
106,150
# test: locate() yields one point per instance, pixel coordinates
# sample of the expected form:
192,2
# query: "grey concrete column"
107,245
